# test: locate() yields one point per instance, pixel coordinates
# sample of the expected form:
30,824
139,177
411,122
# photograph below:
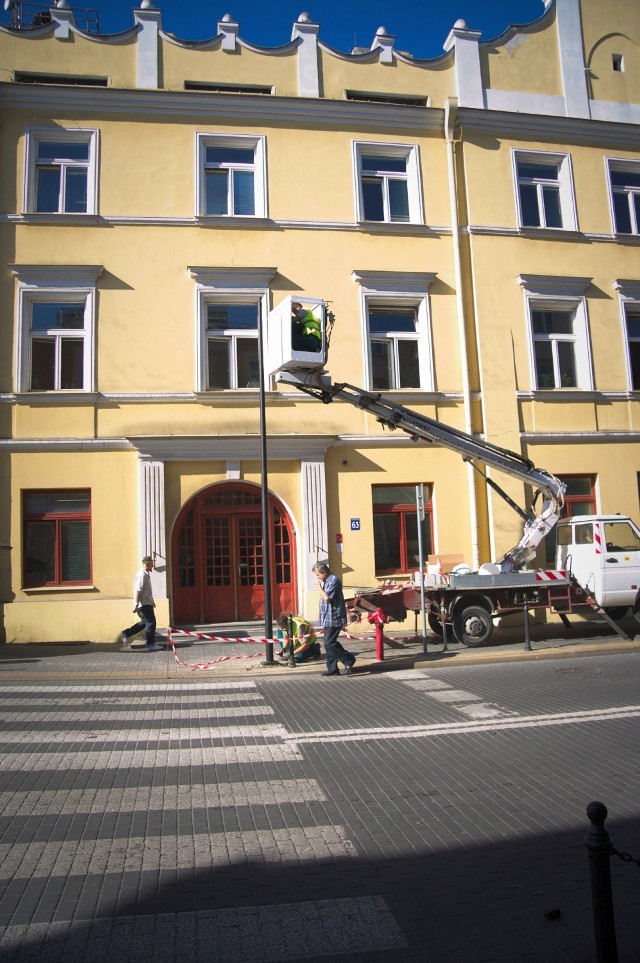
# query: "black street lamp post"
266,526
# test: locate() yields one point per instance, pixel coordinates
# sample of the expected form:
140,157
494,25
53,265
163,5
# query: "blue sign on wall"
355,524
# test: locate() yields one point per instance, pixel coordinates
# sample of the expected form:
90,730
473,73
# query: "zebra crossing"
167,822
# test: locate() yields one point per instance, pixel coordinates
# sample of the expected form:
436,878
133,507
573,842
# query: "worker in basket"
306,329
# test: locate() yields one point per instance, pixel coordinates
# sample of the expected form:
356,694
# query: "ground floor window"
579,499
395,528
57,538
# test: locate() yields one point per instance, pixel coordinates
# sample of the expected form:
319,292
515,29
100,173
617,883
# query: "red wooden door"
218,559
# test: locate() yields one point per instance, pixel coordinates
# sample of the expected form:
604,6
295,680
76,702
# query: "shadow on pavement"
527,898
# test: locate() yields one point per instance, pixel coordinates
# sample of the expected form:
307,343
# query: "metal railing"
24,15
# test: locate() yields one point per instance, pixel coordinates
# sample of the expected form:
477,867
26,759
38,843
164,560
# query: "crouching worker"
305,643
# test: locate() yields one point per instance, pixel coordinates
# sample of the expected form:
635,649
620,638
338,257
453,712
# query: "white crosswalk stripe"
138,854
138,715
142,734
464,702
183,797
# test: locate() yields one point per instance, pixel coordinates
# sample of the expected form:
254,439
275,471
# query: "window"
395,528
394,348
232,345
579,499
558,331
61,172
56,334
388,183
396,329
632,318
545,192
624,184
231,176
232,302
554,348
57,538
56,320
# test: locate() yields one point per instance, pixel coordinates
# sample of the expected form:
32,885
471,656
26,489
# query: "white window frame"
51,284
629,295
567,295
411,153
38,135
259,167
621,164
564,180
390,290
226,286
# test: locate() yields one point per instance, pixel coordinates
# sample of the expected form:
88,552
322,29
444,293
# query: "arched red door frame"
217,560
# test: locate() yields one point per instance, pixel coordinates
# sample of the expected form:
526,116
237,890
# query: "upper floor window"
396,329
231,176
56,319
544,190
56,345
559,344
388,183
624,184
393,333
57,538
632,318
232,344
61,172
554,341
232,303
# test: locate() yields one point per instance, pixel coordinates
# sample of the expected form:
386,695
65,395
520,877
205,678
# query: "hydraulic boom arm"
471,449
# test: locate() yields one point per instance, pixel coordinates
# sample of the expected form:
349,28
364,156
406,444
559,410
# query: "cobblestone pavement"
433,813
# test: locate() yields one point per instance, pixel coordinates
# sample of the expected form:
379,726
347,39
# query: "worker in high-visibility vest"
306,329
305,643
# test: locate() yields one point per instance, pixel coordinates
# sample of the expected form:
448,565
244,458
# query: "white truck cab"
603,552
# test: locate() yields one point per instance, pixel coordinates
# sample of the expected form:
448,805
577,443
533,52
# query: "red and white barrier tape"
213,663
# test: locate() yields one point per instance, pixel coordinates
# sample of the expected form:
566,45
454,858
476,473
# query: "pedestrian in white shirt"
143,606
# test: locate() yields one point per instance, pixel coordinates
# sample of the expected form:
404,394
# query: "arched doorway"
217,557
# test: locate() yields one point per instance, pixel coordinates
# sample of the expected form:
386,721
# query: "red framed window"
579,499
395,528
57,538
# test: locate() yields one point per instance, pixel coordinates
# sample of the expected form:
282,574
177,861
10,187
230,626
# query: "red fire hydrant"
378,619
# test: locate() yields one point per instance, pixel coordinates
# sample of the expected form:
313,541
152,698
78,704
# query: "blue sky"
420,26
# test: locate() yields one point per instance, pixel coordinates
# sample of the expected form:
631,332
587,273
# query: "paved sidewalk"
242,659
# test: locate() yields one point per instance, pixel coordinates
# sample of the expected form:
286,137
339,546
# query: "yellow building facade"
472,220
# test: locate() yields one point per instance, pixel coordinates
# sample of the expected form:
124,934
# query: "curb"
169,671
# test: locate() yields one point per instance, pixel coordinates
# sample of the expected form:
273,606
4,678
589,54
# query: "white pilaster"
574,73
152,527
314,499
467,64
150,22
308,74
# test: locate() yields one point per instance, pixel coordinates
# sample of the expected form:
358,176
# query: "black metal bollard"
599,846
292,661
443,616
527,634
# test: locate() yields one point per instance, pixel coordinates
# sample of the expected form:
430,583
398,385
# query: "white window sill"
232,220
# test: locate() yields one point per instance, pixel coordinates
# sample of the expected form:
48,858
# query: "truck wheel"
617,613
473,626
435,624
